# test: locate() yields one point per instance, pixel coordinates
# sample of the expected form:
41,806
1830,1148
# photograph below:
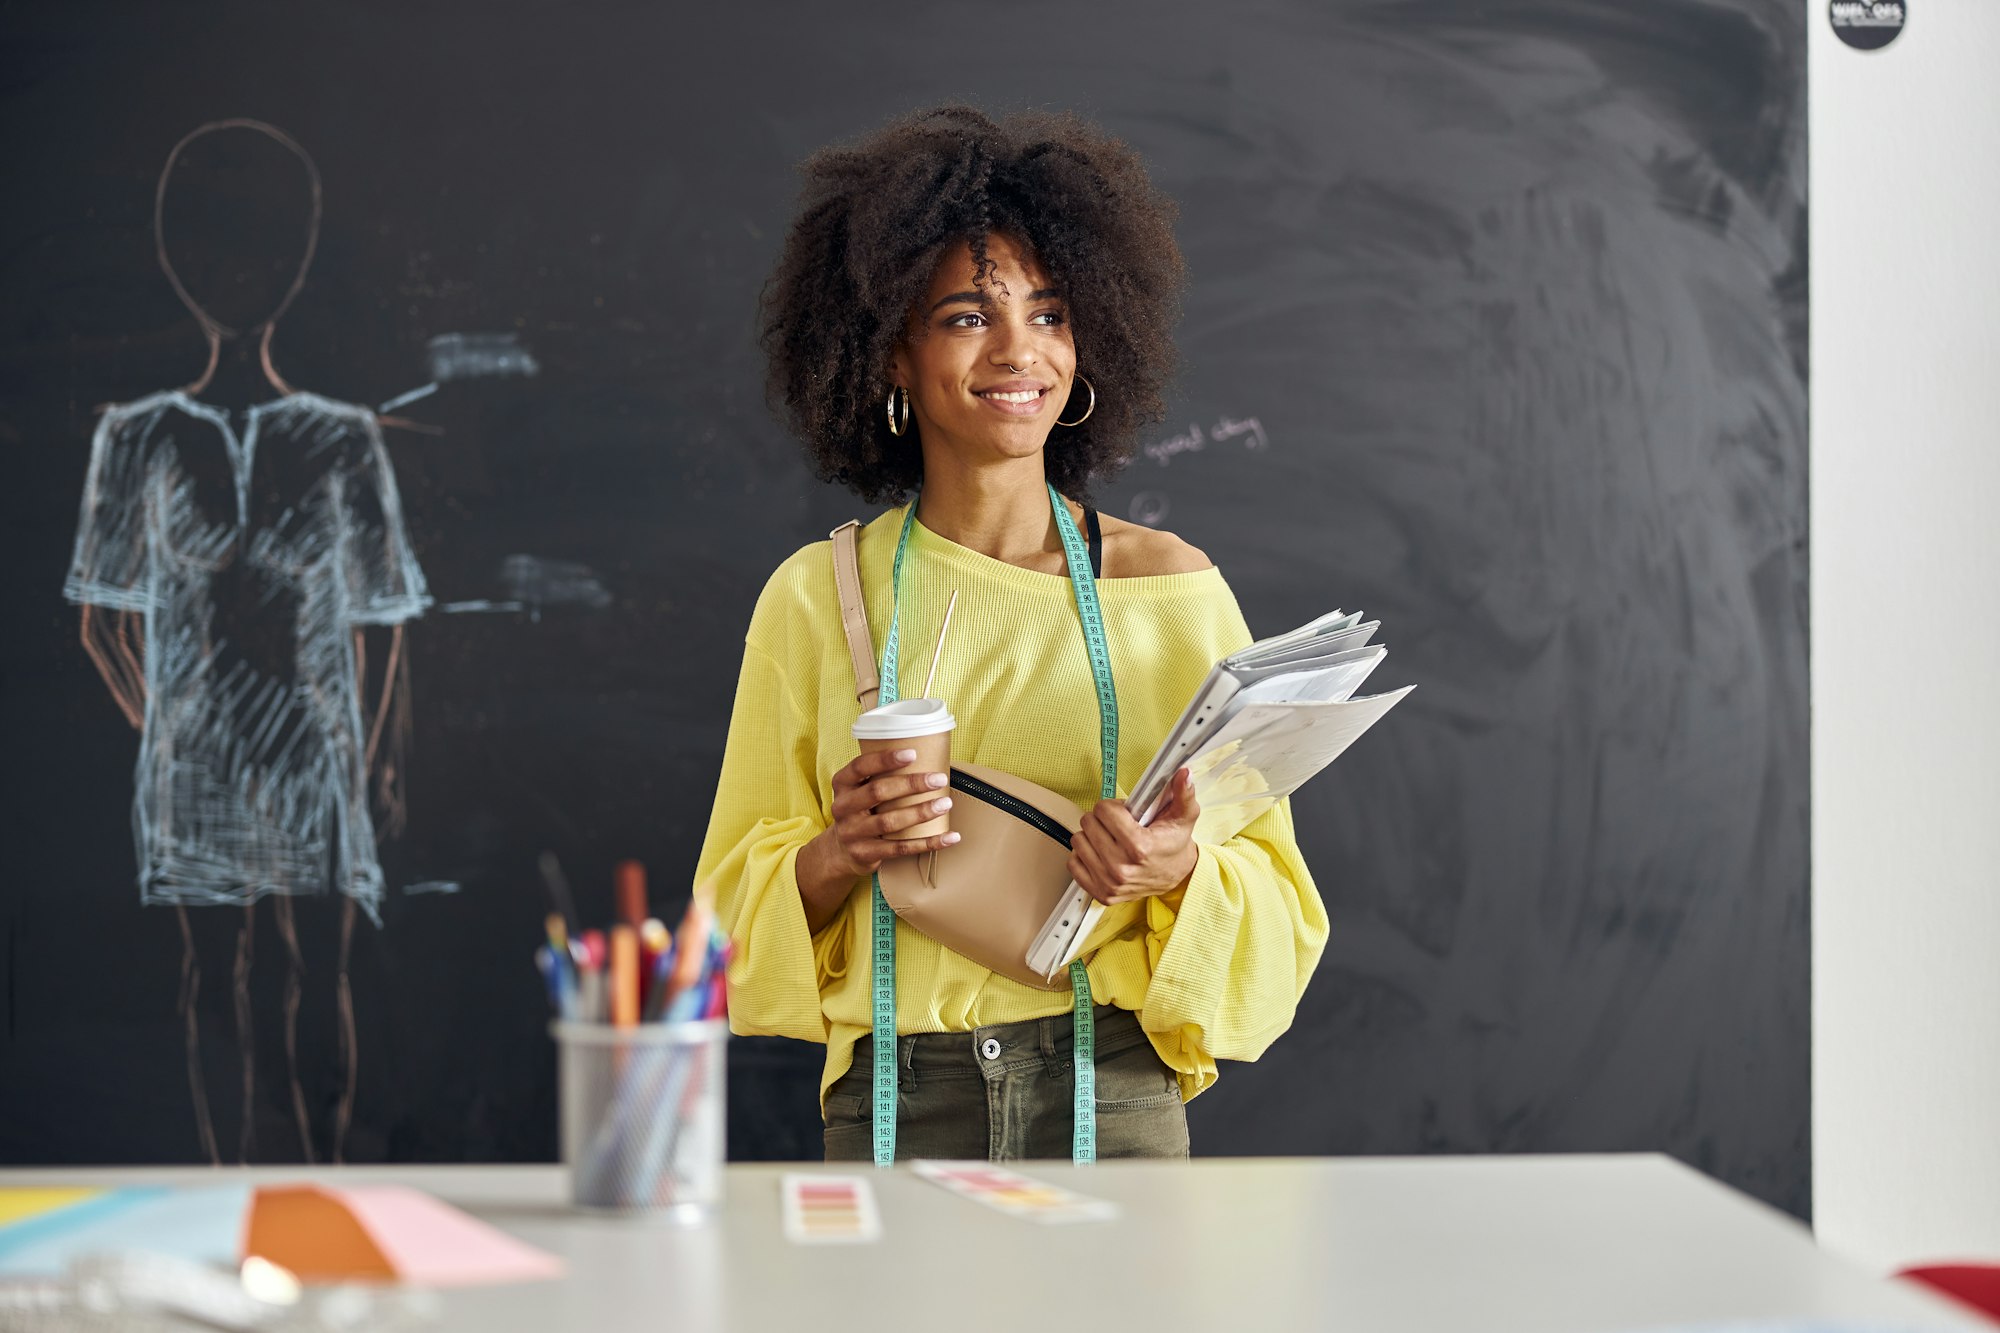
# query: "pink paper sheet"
433,1244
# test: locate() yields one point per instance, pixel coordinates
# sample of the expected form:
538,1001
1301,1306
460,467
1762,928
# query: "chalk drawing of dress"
252,557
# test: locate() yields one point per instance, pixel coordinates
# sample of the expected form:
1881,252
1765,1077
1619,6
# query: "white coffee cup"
923,725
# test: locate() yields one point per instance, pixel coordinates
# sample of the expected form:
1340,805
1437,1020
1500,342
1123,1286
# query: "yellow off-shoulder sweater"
1214,970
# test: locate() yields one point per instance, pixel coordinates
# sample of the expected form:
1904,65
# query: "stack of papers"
1266,719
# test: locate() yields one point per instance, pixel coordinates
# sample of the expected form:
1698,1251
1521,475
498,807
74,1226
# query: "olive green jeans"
1007,1091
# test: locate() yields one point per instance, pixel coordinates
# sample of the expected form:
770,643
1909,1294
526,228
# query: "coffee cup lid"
904,718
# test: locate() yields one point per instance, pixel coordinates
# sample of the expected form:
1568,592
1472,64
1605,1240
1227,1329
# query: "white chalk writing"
1197,438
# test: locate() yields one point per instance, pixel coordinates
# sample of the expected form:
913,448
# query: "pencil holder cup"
642,1117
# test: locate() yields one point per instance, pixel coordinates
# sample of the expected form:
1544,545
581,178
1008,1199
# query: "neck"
998,509
239,372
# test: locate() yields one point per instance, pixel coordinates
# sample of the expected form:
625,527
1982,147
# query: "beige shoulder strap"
854,614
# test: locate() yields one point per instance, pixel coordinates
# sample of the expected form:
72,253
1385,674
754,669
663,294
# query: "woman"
976,315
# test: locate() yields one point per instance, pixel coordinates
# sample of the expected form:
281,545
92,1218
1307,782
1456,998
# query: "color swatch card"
830,1210
1011,1192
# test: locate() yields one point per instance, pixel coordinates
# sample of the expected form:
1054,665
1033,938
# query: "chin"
1003,444
1020,448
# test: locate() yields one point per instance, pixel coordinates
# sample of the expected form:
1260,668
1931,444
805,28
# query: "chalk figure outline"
252,774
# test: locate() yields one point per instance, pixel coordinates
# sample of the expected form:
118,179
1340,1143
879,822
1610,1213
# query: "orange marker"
624,976
631,881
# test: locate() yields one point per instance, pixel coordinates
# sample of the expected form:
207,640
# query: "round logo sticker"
1868,25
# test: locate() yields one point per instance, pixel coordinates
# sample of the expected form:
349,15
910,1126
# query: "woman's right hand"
858,843
862,835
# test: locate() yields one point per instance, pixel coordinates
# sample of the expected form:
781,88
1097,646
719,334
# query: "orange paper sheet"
312,1233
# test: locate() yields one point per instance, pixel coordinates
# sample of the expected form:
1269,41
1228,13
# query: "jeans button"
990,1048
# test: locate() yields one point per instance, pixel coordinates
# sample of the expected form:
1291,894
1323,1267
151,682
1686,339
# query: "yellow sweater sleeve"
768,806
1216,969
1231,954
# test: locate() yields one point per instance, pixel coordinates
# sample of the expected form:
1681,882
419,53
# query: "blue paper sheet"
203,1224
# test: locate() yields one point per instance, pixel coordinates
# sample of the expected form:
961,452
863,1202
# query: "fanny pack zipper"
1013,805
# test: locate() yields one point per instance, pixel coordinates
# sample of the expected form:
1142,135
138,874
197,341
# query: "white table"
1398,1245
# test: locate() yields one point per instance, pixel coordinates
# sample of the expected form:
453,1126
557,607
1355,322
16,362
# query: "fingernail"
935,779
942,804
950,839
905,756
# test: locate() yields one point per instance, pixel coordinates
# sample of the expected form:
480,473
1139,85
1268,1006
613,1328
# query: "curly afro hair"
874,219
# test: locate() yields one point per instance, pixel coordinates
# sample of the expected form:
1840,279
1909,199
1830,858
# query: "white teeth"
1026,397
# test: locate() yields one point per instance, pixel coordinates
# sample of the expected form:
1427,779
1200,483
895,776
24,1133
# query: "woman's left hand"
1116,860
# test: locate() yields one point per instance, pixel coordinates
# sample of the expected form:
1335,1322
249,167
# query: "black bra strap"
1096,539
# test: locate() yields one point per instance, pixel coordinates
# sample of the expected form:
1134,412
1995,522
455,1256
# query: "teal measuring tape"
883,921
1083,1140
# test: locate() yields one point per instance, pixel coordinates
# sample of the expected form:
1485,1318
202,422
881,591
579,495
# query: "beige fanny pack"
987,896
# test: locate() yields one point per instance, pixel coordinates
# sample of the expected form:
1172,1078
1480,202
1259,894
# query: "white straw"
938,652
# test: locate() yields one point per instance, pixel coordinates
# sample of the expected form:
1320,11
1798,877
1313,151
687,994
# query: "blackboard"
1496,330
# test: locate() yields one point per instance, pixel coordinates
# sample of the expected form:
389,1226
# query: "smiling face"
988,366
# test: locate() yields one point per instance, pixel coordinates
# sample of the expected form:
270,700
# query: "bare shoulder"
1134,551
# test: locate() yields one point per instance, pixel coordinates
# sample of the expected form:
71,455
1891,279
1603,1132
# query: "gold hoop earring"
1086,411
898,427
